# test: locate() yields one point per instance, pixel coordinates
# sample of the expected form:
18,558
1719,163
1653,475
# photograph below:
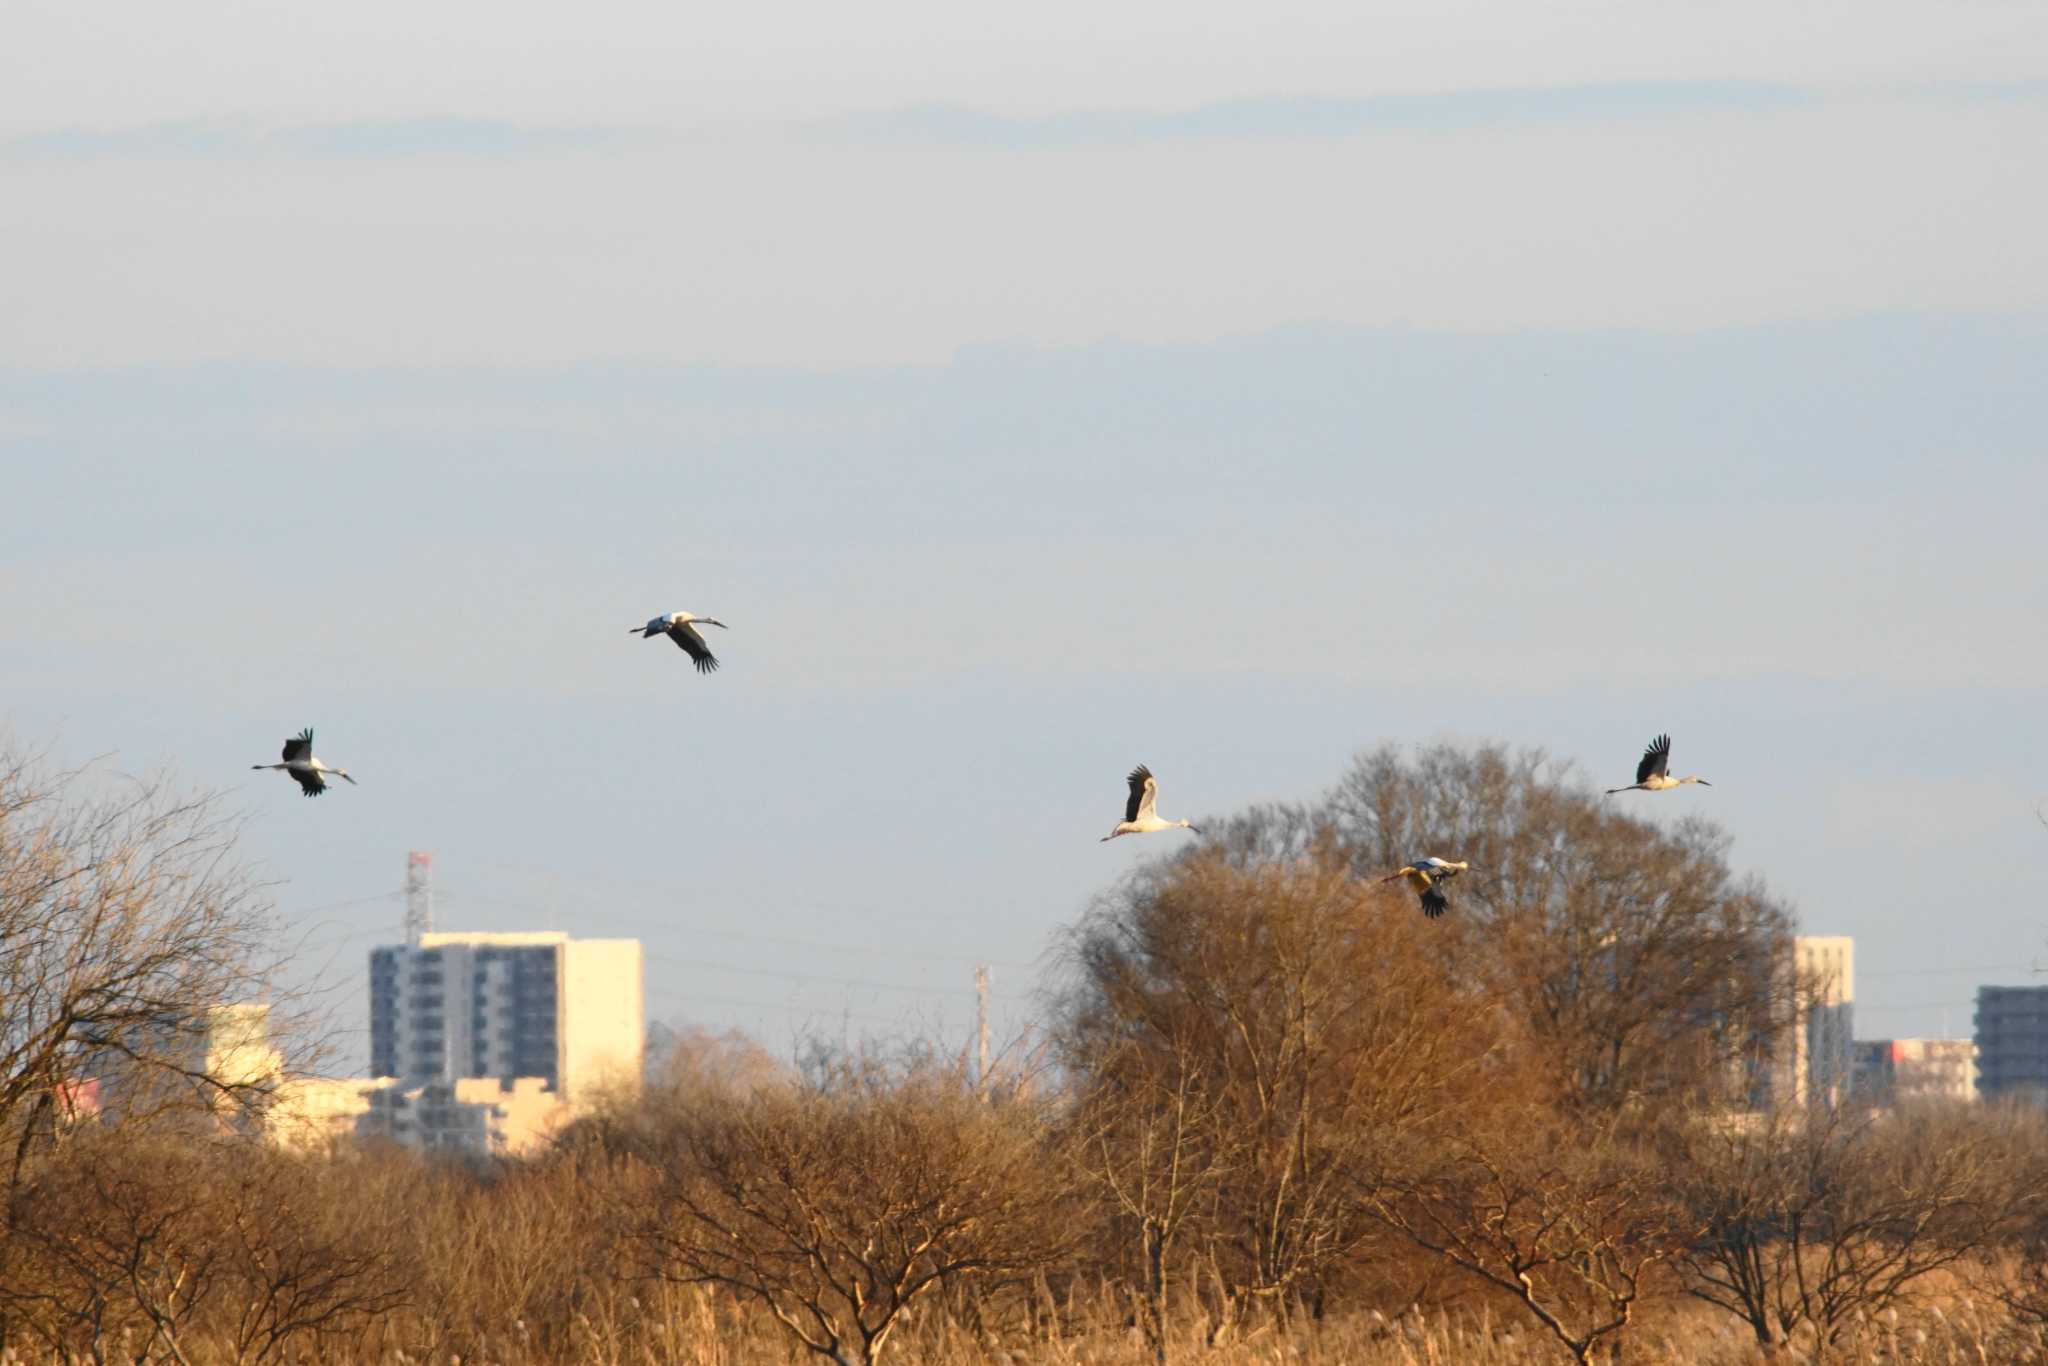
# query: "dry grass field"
701,1328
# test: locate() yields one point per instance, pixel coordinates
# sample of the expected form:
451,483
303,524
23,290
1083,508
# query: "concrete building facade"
232,1045
1813,1064
1896,1071
474,1116
219,1059
2012,1043
509,1006
311,1114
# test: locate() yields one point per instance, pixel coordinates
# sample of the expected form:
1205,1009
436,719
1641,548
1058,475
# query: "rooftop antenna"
419,896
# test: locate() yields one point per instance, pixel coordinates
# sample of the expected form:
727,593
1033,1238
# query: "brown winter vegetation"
1277,1116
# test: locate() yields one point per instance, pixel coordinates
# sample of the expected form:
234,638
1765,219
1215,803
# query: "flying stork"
1428,876
1653,774
676,626
1139,816
303,766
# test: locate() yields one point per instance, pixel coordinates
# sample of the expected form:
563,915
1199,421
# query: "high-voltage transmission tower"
419,896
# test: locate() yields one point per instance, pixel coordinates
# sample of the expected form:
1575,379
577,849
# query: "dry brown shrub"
837,1204
195,1249
1819,1222
1575,1220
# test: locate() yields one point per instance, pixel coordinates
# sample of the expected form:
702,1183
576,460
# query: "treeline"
1273,1113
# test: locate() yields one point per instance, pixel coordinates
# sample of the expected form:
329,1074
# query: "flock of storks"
1141,815
1426,875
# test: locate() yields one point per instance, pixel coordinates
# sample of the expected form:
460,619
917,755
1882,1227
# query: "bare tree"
1645,972
1820,1219
114,1253
1154,1143
1571,1221
311,1254
124,925
195,1249
506,1256
839,1203
691,1061
1246,1037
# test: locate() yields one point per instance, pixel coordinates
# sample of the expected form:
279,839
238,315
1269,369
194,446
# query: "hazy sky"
1035,393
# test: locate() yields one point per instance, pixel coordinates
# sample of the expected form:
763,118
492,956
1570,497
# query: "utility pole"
981,1027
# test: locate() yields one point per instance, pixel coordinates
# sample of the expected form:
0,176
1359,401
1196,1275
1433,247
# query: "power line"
793,941
784,1006
814,977
799,941
335,941
332,944
660,893
1938,972
344,905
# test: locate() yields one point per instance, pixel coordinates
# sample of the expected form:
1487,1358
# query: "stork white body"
305,768
1653,773
677,627
1428,876
1140,814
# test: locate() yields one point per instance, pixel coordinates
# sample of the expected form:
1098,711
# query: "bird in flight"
676,626
1653,774
1428,876
304,767
1140,817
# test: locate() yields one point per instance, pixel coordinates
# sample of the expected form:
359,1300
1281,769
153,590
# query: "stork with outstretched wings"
1428,876
305,769
677,627
1653,774
1141,816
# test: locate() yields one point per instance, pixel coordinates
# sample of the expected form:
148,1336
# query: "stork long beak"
1705,783
351,781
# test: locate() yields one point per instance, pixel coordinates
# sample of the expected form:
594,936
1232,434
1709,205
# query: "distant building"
479,1116
1892,1071
2012,1043
1813,1062
481,1044
246,1086
217,1059
309,1114
509,1006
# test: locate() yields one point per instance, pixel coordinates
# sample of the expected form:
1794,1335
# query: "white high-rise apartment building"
504,1006
1821,1050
